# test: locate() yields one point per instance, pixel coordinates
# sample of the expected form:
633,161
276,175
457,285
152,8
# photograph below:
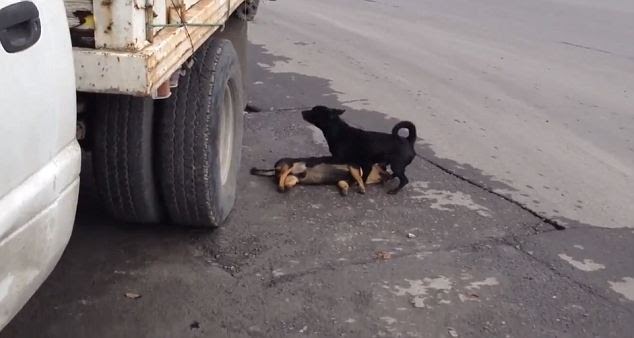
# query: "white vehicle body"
39,157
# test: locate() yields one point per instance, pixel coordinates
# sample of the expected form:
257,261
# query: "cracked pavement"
312,263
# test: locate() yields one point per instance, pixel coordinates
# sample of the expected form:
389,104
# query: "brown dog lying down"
319,171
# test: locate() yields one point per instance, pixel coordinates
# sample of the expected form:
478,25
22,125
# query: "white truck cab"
39,154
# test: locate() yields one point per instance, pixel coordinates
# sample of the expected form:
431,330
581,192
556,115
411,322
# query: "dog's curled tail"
263,172
411,128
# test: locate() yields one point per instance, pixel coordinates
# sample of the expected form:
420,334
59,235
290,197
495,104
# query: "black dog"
365,148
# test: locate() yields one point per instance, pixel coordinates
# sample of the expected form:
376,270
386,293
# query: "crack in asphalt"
513,242
552,222
334,266
585,47
538,231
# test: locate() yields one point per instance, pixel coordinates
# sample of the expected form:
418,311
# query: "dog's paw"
393,191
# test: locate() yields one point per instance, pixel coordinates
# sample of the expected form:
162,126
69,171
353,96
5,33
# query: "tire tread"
185,147
122,159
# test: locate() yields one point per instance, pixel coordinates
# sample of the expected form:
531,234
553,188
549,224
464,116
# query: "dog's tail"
411,128
263,172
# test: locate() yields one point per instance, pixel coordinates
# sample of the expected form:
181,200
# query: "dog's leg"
385,175
290,181
377,175
284,172
399,171
366,169
357,174
343,187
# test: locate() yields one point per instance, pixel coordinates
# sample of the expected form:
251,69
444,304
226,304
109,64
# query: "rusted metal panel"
105,71
82,21
120,24
142,72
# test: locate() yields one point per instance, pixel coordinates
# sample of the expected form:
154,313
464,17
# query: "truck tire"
122,151
200,138
248,10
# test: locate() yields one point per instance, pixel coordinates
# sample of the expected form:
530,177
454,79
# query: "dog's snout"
307,115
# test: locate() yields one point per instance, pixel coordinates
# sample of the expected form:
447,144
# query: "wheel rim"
226,135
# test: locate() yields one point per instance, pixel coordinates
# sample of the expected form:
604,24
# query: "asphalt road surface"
442,258
535,94
452,255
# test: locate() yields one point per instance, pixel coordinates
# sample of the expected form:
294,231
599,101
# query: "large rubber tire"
200,138
122,154
248,10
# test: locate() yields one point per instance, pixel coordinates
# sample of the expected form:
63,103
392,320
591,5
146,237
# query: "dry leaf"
383,255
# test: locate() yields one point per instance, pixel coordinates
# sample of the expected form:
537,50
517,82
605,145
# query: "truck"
151,91
161,84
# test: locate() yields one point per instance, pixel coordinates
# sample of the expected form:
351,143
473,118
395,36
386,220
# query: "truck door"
39,155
